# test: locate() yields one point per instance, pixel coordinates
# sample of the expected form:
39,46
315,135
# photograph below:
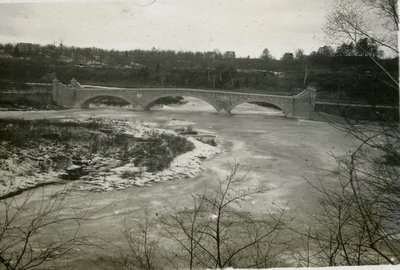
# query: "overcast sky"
243,26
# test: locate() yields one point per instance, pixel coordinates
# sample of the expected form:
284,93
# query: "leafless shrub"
143,247
30,237
217,231
359,222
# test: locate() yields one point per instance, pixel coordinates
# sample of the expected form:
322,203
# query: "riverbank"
108,154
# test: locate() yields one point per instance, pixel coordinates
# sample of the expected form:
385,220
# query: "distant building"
230,54
24,47
211,55
288,57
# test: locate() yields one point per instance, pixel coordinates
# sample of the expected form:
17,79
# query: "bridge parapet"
304,103
63,95
75,84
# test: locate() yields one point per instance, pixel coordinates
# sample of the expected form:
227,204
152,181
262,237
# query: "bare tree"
376,20
362,215
184,228
359,221
31,236
352,20
266,55
217,232
143,246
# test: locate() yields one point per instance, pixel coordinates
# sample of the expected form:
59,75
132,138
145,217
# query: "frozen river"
274,151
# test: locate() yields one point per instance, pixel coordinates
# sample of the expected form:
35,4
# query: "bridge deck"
93,87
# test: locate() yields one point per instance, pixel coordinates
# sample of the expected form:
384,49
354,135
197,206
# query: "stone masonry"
76,96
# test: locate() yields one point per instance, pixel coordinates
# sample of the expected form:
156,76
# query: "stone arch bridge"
77,96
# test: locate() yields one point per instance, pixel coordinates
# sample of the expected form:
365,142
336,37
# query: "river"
274,152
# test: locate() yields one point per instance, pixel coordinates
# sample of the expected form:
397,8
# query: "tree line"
157,59
347,73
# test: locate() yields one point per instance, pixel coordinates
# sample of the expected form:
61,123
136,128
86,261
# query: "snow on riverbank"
105,173
20,169
187,165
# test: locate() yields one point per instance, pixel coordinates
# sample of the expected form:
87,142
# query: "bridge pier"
224,111
139,108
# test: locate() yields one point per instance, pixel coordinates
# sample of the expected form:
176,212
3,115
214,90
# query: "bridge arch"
276,105
152,101
84,103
